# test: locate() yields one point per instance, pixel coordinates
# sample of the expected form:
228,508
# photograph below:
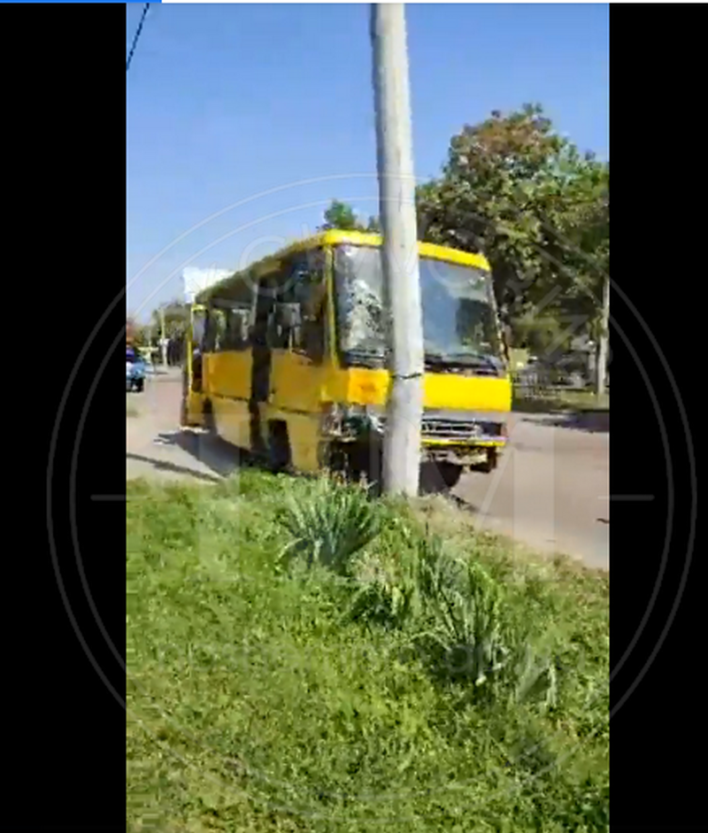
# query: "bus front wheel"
439,477
489,464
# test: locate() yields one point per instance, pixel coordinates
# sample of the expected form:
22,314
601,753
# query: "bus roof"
335,237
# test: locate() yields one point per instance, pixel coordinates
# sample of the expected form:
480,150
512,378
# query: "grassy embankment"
303,659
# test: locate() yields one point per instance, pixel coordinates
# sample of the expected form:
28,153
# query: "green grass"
322,692
562,400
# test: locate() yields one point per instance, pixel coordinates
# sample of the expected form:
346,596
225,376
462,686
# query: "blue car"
134,370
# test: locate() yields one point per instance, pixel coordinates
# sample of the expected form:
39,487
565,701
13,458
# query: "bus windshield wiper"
367,355
467,358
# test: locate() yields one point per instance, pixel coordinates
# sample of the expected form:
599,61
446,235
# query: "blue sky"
271,106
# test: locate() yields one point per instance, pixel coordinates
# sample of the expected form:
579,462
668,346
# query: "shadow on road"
220,458
164,465
461,503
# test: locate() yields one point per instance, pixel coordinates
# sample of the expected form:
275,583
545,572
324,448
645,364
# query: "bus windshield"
459,324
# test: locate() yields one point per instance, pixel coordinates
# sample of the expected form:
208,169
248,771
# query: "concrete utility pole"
603,351
402,440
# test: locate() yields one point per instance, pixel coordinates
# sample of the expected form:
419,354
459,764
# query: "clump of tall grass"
472,636
387,592
458,617
466,635
329,526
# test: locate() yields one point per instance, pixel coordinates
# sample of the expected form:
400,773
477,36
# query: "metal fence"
569,375
555,387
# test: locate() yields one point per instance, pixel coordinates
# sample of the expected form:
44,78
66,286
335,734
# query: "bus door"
192,377
262,360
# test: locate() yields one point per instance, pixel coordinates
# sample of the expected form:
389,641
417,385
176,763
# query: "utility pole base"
401,452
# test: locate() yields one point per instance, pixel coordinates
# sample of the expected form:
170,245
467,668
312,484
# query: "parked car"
134,370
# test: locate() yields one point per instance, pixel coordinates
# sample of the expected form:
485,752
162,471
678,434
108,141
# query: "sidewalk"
160,373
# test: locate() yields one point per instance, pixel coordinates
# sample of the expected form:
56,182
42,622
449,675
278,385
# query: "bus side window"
219,330
198,331
314,322
308,290
238,328
210,332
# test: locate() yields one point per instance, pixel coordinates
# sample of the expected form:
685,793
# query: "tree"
176,316
373,226
136,334
515,190
341,215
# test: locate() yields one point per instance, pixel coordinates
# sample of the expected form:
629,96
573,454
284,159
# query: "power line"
137,35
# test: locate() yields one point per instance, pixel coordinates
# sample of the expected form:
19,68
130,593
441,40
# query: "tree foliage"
515,190
342,216
339,215
523,195
135,333
176,315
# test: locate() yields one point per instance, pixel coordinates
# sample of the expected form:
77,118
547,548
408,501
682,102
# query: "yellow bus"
288,359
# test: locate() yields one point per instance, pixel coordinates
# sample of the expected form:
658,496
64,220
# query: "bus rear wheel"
209,423
279,453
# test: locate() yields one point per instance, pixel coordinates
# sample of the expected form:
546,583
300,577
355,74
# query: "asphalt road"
550,492
551,489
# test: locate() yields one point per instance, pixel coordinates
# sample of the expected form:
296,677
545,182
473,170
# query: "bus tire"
450,474
489,464
209,422
437,478
279,454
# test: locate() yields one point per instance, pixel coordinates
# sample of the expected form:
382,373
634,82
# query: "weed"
329,526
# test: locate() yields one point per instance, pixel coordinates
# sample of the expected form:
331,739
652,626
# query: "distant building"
196,280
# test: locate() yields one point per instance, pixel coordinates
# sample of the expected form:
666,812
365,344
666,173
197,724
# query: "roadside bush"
467,632
386,589
329,526
473,637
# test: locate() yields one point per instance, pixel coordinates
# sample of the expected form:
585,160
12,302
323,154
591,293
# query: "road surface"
550,492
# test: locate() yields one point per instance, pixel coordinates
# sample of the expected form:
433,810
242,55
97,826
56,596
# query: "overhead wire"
137,36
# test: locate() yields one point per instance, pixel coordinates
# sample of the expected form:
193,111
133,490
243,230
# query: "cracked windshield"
450,293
